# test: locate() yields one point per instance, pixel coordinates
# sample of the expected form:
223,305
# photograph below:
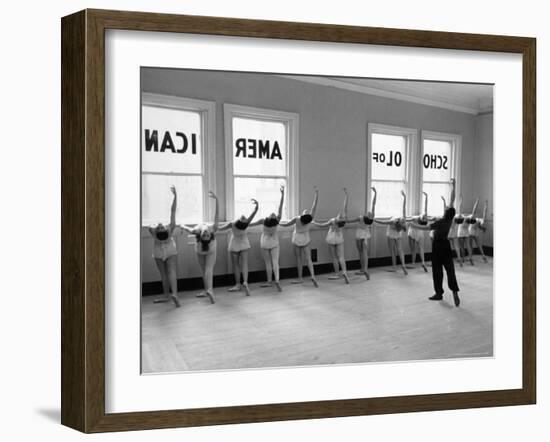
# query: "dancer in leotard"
206,249
363,235
269,244
238,247
462,242
416,236
301,240
335,240
394,231
475,227
165,252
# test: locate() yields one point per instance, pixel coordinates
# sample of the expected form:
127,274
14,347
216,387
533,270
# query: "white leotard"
363,231
391,230
475,229
300,235
269,238
335,234
164,249
416,234
239,239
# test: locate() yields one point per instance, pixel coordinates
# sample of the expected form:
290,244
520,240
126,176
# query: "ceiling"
461,97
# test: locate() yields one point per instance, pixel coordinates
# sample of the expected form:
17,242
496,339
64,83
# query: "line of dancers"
463,241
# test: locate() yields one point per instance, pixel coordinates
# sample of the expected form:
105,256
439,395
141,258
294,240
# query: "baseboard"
155,287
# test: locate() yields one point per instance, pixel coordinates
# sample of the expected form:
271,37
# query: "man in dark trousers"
442,255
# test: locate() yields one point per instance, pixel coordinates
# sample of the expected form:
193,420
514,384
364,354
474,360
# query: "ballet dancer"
269,244
395,228
475,227
362,235
165,253
442,256
416,236
238,247
301,240
335,240
206,249
462,242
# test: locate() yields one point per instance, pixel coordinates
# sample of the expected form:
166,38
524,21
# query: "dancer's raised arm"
173,208
453,193
373,200
404,211
425,204
459,206
344,211
485,207
315,199
474,210
253,214
216,210
444,204
280,211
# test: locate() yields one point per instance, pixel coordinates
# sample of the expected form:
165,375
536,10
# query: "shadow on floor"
51,414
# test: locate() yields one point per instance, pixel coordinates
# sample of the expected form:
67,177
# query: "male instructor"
442,255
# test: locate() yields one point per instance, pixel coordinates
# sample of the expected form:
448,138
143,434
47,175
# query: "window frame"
456,157
292,123
207,111
411,166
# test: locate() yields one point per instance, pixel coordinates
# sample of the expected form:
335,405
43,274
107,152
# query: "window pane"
157,199
435,191
388,157
259,147
436,161
265,190
389,201
171,140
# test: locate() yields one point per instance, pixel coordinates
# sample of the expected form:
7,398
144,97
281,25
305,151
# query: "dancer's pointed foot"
278,285
176,300
211,297
246,289
367,275
160,300
345,275
405,270
235,288
314,281
425,268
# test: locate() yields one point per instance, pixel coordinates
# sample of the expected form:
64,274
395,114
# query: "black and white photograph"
309,220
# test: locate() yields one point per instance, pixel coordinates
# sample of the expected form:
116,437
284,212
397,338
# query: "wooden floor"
388,318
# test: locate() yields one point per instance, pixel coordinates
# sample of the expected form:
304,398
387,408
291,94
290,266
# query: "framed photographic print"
268,221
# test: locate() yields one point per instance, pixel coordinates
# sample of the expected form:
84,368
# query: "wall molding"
367,90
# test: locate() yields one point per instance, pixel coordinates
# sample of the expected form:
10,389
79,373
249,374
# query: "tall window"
440,160
175,139
261,153
390,150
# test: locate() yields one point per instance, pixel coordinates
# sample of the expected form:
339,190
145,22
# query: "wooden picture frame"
83,220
